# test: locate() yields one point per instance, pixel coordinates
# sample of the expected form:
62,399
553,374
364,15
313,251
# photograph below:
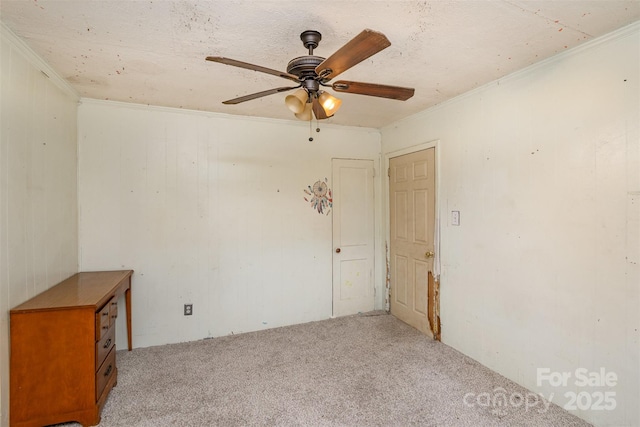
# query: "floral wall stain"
319,196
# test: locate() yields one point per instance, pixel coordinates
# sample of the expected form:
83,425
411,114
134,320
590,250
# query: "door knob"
430,254
337,250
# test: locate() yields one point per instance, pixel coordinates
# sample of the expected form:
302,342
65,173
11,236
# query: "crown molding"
19,45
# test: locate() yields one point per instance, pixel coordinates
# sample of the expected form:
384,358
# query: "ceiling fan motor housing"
305,66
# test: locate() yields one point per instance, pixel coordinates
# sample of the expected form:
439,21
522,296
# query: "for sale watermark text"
594,398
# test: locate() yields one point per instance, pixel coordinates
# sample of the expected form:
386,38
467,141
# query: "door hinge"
389,172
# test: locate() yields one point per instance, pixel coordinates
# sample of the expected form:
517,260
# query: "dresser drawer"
113,311
104,346
106,317
106,371
102,321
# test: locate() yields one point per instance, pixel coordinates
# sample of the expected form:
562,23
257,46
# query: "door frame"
387,215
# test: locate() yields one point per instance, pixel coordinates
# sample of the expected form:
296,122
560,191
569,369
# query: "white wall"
38,191
208,209
544,167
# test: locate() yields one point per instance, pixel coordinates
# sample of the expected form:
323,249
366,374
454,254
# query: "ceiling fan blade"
258,95
371,89
362,46
246,65
318,111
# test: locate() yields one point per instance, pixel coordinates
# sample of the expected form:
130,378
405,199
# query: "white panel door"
412,223
353,236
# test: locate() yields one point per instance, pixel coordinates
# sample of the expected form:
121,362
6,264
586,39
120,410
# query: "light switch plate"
455,217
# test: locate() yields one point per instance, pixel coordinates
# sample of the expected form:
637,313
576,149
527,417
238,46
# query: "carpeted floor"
366,370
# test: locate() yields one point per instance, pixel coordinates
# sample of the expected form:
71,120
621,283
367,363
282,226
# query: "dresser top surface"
86,289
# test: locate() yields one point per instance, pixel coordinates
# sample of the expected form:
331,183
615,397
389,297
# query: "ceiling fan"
313,72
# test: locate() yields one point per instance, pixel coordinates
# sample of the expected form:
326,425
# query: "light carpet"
365,370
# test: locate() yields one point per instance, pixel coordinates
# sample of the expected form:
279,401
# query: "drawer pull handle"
107,344
105,314
105,327
108,371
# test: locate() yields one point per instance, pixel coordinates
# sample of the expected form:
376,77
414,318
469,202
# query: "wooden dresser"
63,355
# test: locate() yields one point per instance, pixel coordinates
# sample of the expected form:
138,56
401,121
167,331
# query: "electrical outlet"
188,309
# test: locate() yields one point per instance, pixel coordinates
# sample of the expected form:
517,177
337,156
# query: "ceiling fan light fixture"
305,115
329,103
297,101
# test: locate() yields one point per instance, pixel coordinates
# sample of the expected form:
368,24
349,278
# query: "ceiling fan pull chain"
310,137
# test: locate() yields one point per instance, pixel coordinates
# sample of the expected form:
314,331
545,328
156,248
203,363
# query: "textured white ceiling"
152,52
